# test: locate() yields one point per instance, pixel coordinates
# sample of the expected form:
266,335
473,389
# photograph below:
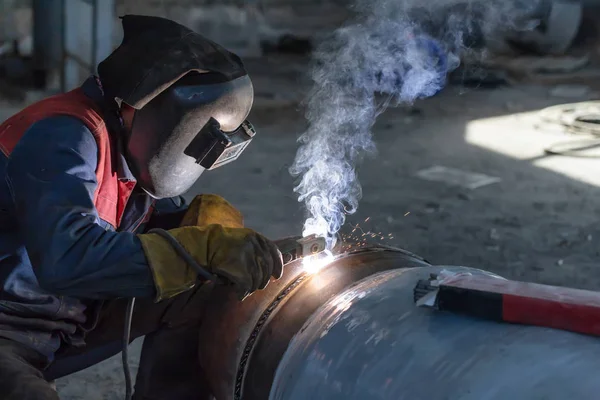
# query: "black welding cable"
201,271
183,253
124,351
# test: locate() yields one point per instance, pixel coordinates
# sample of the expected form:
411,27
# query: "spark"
314,264
359,228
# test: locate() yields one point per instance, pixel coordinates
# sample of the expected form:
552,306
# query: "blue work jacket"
58,263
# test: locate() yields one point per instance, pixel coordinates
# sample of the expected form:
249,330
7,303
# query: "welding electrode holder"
295,247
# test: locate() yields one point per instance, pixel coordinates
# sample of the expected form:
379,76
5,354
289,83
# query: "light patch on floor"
456,177
581,169
523,137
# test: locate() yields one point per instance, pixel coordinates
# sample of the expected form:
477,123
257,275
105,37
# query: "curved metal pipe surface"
371,342
241,343
352,332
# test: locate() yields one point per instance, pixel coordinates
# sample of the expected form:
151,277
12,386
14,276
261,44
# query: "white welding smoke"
394,51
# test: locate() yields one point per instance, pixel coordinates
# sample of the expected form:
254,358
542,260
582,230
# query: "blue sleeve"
167,214
52,177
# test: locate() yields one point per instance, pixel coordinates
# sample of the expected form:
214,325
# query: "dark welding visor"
196,124
213,148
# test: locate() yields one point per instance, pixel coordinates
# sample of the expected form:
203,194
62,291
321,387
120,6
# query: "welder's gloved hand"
242,256
208,209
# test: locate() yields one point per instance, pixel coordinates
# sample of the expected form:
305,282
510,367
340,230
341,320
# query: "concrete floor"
540,223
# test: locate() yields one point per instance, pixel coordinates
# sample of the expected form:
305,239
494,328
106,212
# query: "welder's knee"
20,379
169,367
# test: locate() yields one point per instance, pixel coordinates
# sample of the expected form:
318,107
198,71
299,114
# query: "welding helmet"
191,99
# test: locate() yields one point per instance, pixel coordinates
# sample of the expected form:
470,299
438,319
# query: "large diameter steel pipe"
352,332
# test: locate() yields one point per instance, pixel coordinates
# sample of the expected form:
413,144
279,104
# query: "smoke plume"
393,52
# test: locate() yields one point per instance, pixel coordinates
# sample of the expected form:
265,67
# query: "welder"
87,175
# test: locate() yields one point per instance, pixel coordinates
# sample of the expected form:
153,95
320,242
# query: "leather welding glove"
208,209
242,256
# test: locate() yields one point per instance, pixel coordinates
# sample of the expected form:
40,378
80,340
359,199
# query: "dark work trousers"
169,367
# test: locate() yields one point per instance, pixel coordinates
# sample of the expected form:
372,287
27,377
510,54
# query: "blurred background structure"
499,171
54,44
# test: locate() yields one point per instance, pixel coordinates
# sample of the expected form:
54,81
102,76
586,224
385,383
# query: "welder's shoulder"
58,136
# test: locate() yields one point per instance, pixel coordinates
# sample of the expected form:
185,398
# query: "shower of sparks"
358,238
355,240
314,264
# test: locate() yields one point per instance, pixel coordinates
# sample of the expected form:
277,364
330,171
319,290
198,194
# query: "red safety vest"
112,194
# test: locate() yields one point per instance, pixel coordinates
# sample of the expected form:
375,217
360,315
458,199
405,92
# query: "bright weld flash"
313,264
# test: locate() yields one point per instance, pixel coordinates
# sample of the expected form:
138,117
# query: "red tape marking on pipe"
526,303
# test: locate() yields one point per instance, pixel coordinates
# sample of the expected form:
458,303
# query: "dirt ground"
539,223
